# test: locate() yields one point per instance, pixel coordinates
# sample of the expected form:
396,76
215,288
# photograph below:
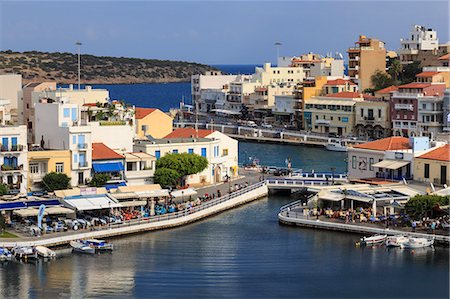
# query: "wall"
435,170
158,125
362,169
11,89
49,157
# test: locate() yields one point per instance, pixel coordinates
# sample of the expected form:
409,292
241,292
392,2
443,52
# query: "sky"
212,32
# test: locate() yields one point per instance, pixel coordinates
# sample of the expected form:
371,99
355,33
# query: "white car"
267,126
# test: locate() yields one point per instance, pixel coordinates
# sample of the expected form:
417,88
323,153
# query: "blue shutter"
175,151
190,150
203,151
5,142
14,141
157,155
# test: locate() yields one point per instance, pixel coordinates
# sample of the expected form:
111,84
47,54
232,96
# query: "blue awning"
114,185
108,167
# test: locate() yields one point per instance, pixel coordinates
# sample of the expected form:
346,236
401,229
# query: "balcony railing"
12,148
83,164
82,145
6,167
409,107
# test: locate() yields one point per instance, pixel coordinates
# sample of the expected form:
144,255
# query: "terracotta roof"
102,152
441,154
339,82
445,57
143,112
368,96
345,94
388,89
415,85
188,133
90,104
385,144
426,74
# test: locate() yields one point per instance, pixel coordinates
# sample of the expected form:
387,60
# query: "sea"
241,253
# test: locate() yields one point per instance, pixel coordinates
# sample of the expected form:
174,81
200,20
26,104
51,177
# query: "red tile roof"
390,143
415,85
426,74
388,89
345,94
90,104
445,57
339,82
189,133
441,154
143,112
102,152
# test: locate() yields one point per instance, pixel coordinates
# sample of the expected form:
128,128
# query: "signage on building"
345,119
88,191
399,156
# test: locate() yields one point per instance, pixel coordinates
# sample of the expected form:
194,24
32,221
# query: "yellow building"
367,57
41,162
433,166
153,122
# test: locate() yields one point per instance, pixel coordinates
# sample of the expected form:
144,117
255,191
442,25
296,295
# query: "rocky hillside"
62,67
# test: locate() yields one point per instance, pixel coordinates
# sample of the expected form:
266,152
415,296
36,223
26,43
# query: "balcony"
136,174
36,177
82,146
12,148
409,107
84,164
11,168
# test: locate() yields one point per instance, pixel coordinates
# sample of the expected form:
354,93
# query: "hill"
63,68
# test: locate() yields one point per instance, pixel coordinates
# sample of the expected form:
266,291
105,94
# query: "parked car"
282,171
267,126
270,170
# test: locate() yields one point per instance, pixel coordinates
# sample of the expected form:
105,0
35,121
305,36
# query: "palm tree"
395,69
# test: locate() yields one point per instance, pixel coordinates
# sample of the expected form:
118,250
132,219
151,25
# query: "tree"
381,80
184,164
166,177
2,223
395,70
422,205
99,180
3,189
55,181
410,71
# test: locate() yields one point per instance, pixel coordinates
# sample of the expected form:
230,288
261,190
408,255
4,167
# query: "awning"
153,193
223,111
58,211
125,195
29,212
391,164
110,186
184,194
133,203
108,167
331,196
91,203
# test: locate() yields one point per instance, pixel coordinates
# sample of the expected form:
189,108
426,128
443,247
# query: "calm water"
243,253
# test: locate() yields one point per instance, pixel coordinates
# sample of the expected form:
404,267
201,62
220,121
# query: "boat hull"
334,148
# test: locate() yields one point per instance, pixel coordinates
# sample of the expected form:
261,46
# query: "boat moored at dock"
336,146
81,247
44,252
396,241
99,245
24,253
417,243
5,254
373,240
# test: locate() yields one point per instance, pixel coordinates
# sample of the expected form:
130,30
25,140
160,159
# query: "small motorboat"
45,252
395,241
372,240
99,245
24,253
336,145
417,243
5,254
81,247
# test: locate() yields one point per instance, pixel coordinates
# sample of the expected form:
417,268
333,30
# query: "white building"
267,75
13,157
220,150
420,39
11,90
285,108
88,95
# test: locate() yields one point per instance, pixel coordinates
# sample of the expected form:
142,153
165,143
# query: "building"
339,85
152,122
11,94
394,153
416,109
268,75
14,157
446,111
140,168
386,93
220,150
284,110
433,166
372,118
28,105
333,113
367,57
41,162
314,65
107,161
87,95
421,39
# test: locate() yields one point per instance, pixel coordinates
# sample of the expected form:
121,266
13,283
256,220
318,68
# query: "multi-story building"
285,109
107,161
11,94
13,157
433,166
87,95
334,113
220,150
5,112
239,93
367,57
268,75
446,111
433,77
41,162
315,65
421,39
386,93
372,118
414,103
339,85
140,168
152,122
28,105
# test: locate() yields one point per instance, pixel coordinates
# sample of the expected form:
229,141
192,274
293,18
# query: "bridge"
305,180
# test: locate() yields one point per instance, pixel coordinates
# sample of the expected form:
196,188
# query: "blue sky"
211,32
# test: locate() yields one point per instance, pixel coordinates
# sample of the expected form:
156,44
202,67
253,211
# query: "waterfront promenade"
292,214
226,202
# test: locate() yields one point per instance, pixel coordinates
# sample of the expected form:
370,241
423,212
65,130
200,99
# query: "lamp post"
278,44
78,44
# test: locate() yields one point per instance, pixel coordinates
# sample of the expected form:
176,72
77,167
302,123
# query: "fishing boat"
417,243
45,252
336,145
395,241
372,240
24,253
99,245
81,247
5,254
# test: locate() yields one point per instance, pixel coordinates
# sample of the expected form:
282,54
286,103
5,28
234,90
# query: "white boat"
5,254
45,252
417,243
375,239
396,241
336,145
24,253
80,247
99,245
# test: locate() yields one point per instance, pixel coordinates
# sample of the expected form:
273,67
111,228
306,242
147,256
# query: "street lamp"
78,44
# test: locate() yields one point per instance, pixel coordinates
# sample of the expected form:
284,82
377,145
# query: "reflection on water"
240,253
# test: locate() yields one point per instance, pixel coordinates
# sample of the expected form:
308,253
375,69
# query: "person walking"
413,225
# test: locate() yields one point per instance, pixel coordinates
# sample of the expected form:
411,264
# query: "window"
379,113
175,151
426,171
362,112
203,151
34,168
74,139
74,114
66,112
158,155
225,152
75,158
354,162
190,151
371,164
59,167
216,151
